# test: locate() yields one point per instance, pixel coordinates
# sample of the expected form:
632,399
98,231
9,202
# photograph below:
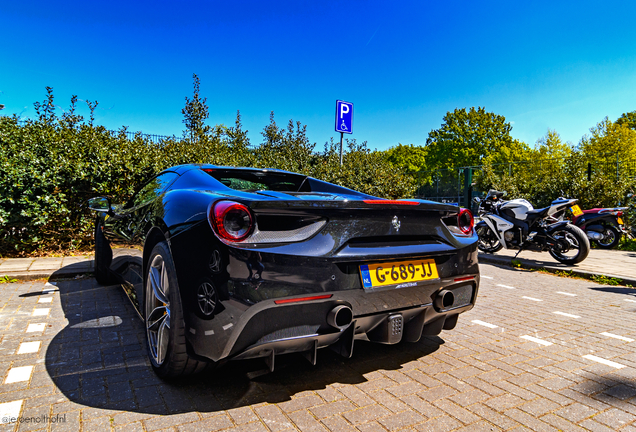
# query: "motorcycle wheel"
611,237
488,241
573,246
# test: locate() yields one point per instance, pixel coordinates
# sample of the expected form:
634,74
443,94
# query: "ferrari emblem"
396,223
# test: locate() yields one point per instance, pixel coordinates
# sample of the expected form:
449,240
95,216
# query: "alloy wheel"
158,309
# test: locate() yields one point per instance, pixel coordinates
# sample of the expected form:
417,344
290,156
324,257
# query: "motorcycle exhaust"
340,317
594,235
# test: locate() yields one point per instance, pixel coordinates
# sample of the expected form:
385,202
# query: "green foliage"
7,279
50,167
467,137
409,158
628,119
604,280
627,244
553,169
195,113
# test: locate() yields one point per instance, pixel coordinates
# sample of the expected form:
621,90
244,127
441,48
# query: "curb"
35,275
492,259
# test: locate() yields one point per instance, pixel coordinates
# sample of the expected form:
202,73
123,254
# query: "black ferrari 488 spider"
235,263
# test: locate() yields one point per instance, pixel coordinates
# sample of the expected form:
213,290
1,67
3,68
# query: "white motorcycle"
517,225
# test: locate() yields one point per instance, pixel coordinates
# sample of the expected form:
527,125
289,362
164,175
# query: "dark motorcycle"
602,225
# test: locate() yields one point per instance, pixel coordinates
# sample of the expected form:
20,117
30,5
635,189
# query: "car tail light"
386,201
304,299
465,221
231,221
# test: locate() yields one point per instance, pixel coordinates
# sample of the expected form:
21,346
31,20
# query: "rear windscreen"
248,181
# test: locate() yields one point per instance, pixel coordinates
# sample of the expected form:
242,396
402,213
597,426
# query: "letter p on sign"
344,117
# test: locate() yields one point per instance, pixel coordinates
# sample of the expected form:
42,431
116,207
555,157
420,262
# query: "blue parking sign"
344,117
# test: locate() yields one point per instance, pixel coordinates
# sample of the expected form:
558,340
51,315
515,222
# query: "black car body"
235,263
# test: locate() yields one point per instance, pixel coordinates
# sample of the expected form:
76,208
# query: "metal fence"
154,138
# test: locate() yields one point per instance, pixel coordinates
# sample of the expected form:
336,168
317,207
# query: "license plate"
576,210
394,273
620,221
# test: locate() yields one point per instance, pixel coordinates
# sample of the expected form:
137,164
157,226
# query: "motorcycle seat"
533,215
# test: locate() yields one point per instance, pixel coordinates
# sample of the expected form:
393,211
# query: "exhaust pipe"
444,299
594,235
340,317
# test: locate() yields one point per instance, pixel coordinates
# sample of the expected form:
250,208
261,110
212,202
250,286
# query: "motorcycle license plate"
393,273
576,210
620,221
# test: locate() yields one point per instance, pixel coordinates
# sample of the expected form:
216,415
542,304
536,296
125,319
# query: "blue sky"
558,65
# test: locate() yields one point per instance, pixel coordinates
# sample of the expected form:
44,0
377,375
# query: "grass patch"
604,280
7,279
627,244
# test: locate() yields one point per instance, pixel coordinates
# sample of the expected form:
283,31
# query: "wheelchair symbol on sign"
344,126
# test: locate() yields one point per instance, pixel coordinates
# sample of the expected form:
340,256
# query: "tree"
409,158
195,113
628,119
467,137
609,143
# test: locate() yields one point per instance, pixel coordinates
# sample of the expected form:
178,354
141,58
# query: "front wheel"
163,316
488,241
572,245
611,237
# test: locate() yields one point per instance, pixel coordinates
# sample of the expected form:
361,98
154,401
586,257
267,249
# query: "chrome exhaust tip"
340,317
444,299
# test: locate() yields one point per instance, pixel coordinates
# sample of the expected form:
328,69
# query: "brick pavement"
609,263
518,365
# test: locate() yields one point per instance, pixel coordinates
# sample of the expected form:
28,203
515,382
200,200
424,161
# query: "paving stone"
499,420
561,424
456,411
162,422
439,424
401,420
504,402
338,424
621,391
333,408
366,414
614,418
273,418
306,422
209,424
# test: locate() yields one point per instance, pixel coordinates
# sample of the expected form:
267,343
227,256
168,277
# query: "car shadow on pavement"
99,360
615,290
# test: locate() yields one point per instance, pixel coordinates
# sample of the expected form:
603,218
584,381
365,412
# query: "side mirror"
100,204
476,200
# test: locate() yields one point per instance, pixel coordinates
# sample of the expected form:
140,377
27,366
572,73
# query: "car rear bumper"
268,329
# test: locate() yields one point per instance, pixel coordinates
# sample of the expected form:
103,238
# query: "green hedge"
50,167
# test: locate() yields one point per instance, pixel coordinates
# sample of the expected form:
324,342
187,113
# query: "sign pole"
344,120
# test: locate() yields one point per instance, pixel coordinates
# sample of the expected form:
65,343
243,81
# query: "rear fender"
555,226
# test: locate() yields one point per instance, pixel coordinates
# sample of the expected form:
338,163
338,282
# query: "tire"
611,238
103,256
488,241
163,318
571,239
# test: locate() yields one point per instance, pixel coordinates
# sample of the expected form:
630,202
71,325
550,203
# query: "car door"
128,225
